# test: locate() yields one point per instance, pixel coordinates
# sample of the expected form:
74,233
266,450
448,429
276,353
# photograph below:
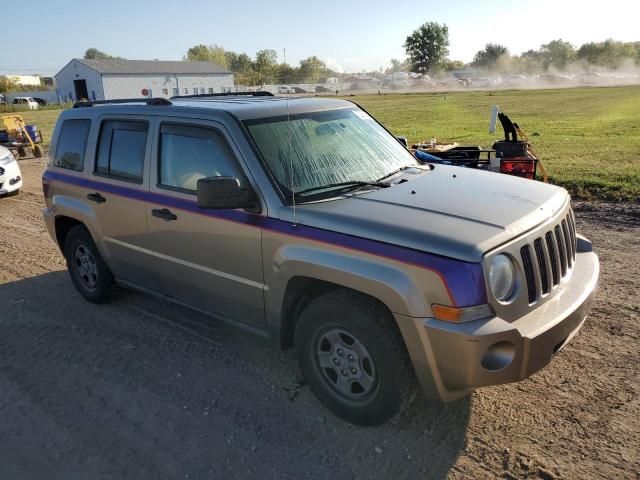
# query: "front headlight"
7,159
502,277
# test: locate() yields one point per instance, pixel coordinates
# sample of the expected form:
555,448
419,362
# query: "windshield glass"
326,148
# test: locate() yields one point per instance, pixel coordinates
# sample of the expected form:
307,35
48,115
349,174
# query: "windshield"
327,148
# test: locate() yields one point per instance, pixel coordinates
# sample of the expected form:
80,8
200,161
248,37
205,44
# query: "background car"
29,102
10,176
286,89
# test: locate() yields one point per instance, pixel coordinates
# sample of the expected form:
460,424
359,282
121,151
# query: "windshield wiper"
343,185
394,172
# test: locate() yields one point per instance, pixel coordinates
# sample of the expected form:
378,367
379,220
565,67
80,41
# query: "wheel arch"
307,273
63,224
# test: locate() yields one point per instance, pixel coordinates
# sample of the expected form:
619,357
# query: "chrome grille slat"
568,243
553,258
543,265
574,239
561,250
527,263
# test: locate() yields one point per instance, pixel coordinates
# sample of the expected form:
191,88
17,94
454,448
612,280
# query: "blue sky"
348,35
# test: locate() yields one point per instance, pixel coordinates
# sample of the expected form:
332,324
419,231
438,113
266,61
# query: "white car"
29,102
10,176
286,89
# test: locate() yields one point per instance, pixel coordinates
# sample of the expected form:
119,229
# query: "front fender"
392,286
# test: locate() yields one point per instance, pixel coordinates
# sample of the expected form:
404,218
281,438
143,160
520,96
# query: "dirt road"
142,389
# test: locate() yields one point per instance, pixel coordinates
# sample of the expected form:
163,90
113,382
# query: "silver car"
306,222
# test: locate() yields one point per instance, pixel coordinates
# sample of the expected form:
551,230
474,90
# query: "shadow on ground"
140,388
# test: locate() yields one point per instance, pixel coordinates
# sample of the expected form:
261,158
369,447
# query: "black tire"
37,151
88,271
378,388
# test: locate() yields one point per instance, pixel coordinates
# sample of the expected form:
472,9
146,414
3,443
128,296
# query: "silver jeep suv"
306,222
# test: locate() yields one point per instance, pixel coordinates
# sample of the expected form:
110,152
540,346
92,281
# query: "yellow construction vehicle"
17,136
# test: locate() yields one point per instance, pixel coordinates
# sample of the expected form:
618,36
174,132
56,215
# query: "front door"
208,259
80,87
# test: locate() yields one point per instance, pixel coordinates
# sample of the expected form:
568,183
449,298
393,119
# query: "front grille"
549,258
1,171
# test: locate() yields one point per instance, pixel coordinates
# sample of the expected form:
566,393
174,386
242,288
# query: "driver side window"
189,153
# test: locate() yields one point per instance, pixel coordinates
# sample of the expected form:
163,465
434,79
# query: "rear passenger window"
72,144
188,154
121,150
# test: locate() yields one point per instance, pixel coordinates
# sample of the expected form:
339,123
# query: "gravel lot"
143,389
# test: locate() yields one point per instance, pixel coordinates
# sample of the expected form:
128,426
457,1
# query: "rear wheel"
88,271
37,151
353,357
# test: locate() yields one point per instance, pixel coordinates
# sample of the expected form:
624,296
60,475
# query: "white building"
109,79
25,80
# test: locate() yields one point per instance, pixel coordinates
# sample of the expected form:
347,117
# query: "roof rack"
154,102
260,93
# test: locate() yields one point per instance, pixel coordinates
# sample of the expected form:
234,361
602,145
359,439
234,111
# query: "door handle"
165,214
96,197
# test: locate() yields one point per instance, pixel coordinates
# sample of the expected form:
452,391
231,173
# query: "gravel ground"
143,389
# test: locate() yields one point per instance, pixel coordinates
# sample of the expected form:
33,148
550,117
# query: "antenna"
293,192
293,189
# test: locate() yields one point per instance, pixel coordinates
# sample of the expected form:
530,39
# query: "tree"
397,66
208,53
450,65
557,53
427,47
265,63
95,54
488,58
7,84
239,63
310,69
609,53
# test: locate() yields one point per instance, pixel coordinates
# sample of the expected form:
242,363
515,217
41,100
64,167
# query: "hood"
451,211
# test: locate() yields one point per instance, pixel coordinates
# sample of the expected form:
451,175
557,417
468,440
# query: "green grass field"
588,138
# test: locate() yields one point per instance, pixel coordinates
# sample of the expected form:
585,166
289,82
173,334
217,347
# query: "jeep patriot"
305,221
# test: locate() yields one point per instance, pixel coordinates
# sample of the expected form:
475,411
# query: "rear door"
208,259
116,190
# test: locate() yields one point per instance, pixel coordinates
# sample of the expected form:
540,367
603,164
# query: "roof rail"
155,102
260,93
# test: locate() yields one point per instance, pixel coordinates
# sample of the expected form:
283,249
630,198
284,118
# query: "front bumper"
11,179
451,359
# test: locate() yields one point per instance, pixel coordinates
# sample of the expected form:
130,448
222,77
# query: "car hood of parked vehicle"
451,211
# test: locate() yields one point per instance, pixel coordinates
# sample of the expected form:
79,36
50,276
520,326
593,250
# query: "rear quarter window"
121,150
72,144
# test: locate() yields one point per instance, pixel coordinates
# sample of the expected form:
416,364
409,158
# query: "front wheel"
353,357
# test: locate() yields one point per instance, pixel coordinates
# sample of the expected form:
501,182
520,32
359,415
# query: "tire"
89,273
344,331
37,151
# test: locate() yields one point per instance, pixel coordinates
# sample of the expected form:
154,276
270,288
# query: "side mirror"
223,193
403,140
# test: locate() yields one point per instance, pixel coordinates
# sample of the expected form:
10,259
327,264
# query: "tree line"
427,50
